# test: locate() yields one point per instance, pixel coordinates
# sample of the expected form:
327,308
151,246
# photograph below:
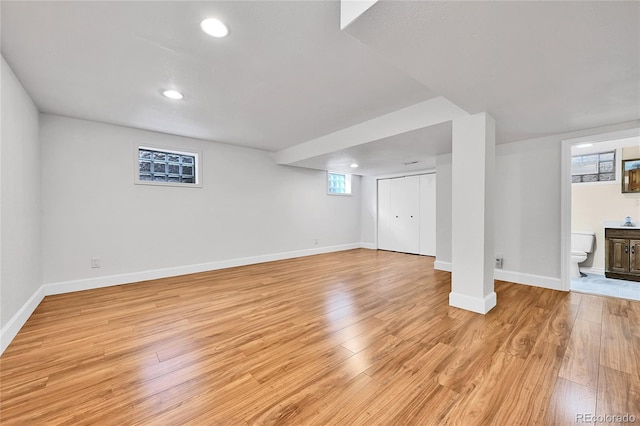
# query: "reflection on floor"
598,284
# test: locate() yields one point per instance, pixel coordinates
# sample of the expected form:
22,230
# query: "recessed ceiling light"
584,145
353,165
172,94
214,27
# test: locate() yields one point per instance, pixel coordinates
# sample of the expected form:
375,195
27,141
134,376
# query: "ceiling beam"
350,10
424,114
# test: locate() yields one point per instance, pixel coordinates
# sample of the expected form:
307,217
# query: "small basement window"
597,167
338,184
160,166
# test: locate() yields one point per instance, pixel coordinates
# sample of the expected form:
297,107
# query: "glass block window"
162,166
338,183
598,167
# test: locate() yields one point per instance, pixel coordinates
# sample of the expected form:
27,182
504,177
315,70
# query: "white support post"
472,239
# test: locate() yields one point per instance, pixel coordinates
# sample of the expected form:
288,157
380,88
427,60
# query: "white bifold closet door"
406,214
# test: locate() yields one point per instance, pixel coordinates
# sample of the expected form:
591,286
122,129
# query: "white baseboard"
517,277
91,283
473,304
442,266
596,271
528,279
11,328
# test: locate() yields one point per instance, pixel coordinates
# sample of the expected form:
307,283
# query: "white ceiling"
538,67
287,74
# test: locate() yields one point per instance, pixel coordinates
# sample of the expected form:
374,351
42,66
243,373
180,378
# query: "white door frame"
565,195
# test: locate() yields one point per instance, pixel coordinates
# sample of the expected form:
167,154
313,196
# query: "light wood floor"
357,337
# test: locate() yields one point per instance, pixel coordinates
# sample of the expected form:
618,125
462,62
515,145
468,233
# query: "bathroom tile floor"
598,284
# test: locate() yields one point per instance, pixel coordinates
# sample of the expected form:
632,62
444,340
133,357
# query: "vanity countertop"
619,224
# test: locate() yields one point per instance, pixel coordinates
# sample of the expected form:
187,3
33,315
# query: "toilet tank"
582,241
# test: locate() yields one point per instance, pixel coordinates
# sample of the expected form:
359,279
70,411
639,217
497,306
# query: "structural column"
472,239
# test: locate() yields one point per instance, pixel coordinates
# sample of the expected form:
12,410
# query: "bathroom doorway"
592,200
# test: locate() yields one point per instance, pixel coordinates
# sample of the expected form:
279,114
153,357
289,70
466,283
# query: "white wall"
527,214
248,206
443,210
368,214
20,190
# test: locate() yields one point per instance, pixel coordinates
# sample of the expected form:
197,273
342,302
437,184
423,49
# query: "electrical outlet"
499,261
95,262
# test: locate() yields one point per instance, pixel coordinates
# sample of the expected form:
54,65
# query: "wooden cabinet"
622,253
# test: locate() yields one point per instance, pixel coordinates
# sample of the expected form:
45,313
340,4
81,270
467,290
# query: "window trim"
194,153
348,179
617,152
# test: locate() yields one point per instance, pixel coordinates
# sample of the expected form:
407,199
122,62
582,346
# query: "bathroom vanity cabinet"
622,253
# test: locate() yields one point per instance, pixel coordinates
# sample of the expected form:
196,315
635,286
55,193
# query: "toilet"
581,246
